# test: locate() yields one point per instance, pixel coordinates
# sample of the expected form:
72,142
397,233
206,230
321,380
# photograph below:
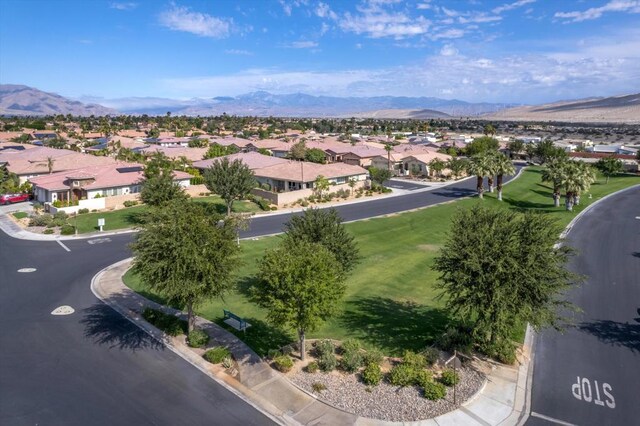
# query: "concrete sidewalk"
502,401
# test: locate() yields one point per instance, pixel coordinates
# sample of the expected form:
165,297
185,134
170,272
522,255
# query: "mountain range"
24,100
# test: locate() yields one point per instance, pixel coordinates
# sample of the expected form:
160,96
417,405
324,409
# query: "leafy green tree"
500,268
230,180
489,130
320,185
379,176
481,166
457,166
299,285
482,145
154,133
609,166
9,182
158,186
437,165
553,173
198,143
502,166
546,150
315,155
298,151
216,151
185,253
515,147
324,226
530,149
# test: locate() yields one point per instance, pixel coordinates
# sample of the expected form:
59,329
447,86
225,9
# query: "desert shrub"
504,352
350,345
351,361
130,203
227,362
423,377
449,377
372,375
327,361
283,363
414,360
312,367
372,356
261,202
434,391
318,387
197,338
83,211
170,324
431,355
217,355
323,347
304,203
67,229
41,220
48,231
403,375
61,215
460,338
273,353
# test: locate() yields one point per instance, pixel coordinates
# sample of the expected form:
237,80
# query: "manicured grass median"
390,300
130,217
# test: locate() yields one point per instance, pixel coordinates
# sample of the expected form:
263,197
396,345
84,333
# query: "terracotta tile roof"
231,141
253,160
34,161
106,176
193,154
298,170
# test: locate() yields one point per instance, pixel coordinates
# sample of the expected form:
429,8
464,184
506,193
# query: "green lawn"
20,215
130,217
390,301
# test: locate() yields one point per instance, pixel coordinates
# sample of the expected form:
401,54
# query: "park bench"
235,321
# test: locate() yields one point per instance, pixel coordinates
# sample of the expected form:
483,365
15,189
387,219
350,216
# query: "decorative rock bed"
385,401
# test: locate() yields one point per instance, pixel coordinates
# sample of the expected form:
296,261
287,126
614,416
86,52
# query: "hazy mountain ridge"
613,109
23,100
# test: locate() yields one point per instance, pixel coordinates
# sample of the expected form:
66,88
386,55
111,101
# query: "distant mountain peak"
16,99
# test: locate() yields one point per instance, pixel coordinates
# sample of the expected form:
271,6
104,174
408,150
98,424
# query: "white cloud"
377,23
597,12
424,6
238,52
510,6
302,45
123,6
324,11
448,50
479,18
447,34
180,18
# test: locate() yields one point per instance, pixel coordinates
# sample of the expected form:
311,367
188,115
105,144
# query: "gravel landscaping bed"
385,401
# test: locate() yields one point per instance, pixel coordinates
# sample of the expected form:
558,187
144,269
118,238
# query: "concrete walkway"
502,401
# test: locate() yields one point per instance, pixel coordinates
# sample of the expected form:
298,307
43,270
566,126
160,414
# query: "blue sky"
522,51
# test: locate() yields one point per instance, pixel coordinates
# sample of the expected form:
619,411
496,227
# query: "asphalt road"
603,350
93,366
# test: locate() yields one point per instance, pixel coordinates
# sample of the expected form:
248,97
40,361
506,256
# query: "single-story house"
253,160
94,182
169,142
39,160
295,175
191,154
406,159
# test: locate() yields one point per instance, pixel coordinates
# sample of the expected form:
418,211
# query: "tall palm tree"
554,174
578,177
480,165
491,159
502,166
388,148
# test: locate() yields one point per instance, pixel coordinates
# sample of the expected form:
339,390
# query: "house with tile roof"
407,159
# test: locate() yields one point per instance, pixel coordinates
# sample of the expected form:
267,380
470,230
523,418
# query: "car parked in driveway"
13,198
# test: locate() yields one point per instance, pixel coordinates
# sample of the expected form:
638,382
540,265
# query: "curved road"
590,375
94,367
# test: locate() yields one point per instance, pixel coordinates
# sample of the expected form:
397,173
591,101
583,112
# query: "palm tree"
457,166
388,148
578,177
352,184
480,165
554,173
491,158
503,166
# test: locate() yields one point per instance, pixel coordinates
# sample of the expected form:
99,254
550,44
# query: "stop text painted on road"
583,391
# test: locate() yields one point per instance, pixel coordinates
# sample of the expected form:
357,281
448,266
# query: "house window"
341,180
134,189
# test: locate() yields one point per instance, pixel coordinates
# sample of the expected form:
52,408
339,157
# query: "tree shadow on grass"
106,327
261,336
455,192
392,325
615,333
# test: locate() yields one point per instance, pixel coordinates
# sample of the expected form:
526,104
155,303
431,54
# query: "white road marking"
63,246
637,217
551,419
99,241
26,270
63,310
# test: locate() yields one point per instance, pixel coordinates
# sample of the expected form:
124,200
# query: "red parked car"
13,198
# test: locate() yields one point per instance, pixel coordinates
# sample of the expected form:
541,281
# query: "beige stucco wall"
282,198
